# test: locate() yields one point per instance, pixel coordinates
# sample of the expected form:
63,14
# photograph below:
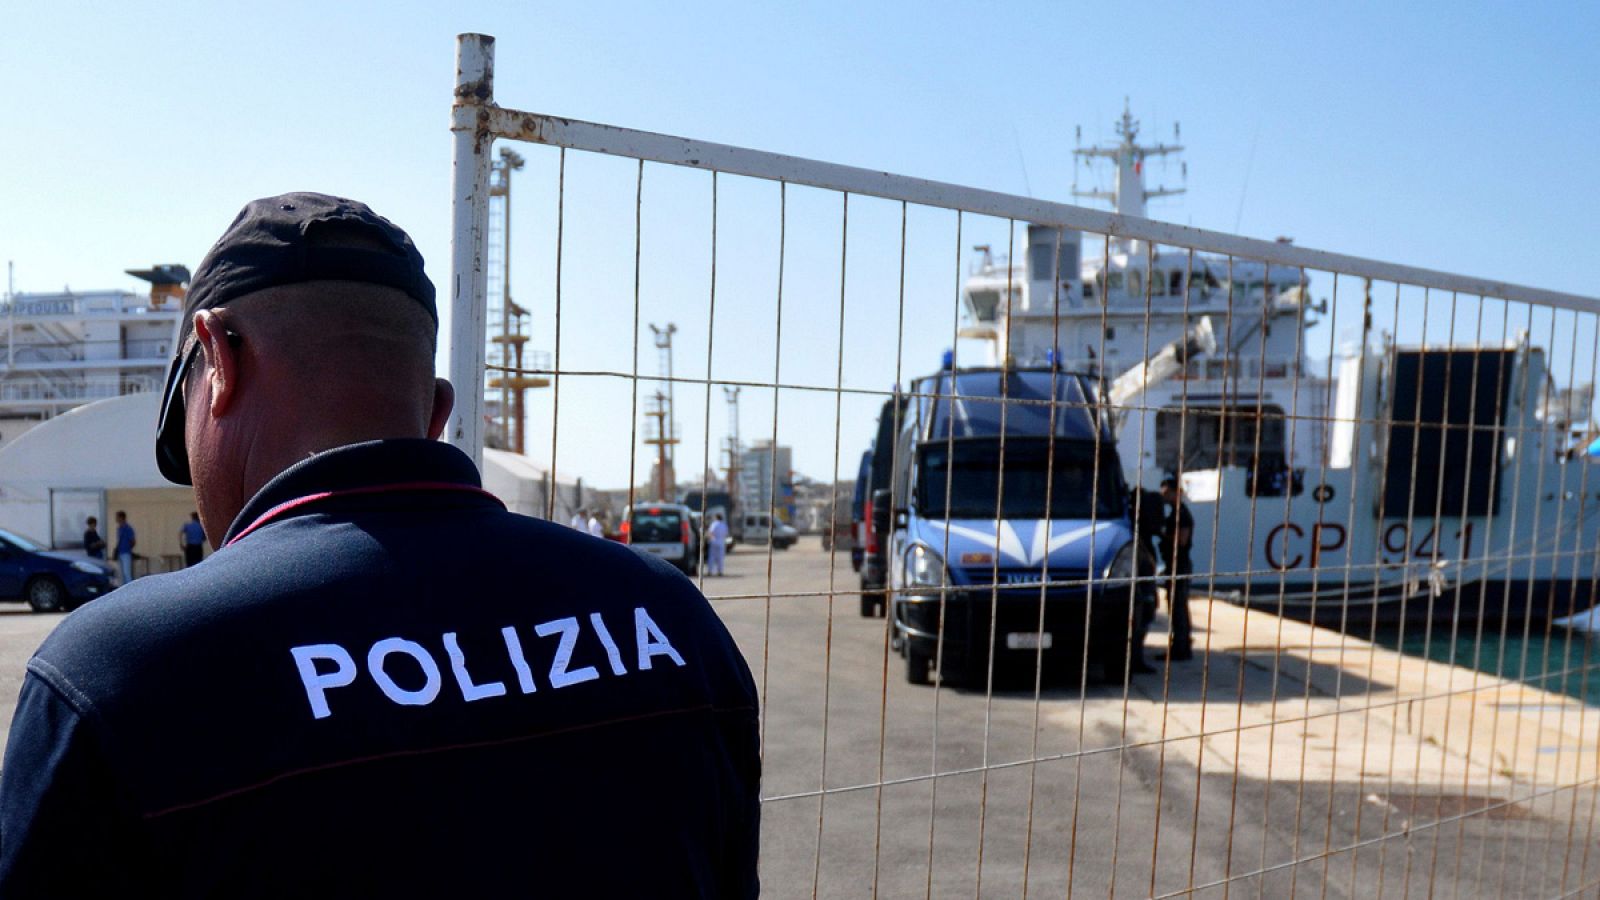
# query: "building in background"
758,488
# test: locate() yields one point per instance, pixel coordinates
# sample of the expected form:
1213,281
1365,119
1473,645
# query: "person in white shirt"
716,545
596,526
579,521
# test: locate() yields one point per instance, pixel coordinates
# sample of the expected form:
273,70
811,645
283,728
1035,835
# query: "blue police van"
1009,532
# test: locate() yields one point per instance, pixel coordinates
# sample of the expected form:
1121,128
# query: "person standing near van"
93,544
1177,534
716,545
193,537
126,540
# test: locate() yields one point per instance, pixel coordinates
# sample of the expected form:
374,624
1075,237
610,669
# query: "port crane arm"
1164,363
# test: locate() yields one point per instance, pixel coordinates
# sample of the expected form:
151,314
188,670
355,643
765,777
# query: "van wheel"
45,594
917,667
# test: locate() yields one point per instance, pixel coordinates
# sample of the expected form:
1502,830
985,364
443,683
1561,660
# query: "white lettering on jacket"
559,676
458,667
650,641
518,661
380,653
338,667
317,683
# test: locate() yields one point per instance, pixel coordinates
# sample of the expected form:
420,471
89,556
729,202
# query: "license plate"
1028,640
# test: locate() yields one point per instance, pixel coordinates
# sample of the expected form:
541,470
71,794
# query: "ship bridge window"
1135,283
1248,437
984,304
1162,279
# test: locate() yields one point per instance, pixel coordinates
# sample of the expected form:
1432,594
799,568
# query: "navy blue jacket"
386,684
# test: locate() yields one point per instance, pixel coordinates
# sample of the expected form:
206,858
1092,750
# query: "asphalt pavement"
877,787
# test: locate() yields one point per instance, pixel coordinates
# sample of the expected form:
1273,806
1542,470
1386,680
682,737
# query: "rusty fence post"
469,279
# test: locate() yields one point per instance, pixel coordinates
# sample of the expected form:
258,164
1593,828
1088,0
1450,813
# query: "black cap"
282,240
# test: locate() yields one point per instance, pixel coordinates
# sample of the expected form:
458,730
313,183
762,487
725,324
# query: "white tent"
100,457
92,460
524,487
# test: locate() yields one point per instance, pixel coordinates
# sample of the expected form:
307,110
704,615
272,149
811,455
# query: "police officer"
1145,507
355,695
192,536
1177,536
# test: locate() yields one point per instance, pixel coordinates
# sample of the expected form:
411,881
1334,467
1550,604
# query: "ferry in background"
59,351
1438,482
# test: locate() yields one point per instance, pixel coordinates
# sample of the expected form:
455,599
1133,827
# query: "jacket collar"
361,468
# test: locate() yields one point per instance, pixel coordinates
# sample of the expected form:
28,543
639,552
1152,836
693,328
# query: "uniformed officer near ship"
357,694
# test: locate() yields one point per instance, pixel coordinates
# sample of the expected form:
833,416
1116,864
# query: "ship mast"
1129,195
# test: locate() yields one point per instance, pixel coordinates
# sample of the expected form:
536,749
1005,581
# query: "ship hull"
1494,604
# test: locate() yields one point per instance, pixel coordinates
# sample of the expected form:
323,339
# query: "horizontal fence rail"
573,134
960,437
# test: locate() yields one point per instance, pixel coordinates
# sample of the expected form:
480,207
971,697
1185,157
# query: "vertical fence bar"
469,228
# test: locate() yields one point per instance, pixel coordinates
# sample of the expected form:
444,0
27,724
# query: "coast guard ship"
1442,482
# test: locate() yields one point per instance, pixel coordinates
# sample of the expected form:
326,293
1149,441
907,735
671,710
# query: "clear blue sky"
1456,136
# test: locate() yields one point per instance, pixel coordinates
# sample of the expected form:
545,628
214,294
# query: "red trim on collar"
399,488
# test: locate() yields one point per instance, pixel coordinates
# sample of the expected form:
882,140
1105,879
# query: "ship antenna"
1128,156
1021,160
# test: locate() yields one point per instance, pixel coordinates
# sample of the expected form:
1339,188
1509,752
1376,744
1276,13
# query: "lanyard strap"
400,488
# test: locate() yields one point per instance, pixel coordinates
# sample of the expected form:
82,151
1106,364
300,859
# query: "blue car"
50,581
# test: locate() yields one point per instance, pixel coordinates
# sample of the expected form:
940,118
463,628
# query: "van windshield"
974,482
657,525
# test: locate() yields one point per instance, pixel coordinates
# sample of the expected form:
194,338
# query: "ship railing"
73,391
1286,759
38,348
70,305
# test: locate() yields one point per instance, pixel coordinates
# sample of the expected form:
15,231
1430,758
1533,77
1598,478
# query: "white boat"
1416,483
59,351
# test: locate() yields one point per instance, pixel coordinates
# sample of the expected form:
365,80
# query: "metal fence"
1385,470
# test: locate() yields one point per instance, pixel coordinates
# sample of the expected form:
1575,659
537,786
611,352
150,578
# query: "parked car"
758,528
874,498
858,534
665,530
50,581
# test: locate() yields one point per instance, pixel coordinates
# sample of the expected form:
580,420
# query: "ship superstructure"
59,351
1416,482
1104,306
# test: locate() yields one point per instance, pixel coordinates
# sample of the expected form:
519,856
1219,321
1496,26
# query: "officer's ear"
222,360
444,400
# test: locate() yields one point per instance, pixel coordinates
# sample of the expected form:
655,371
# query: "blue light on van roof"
947,360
